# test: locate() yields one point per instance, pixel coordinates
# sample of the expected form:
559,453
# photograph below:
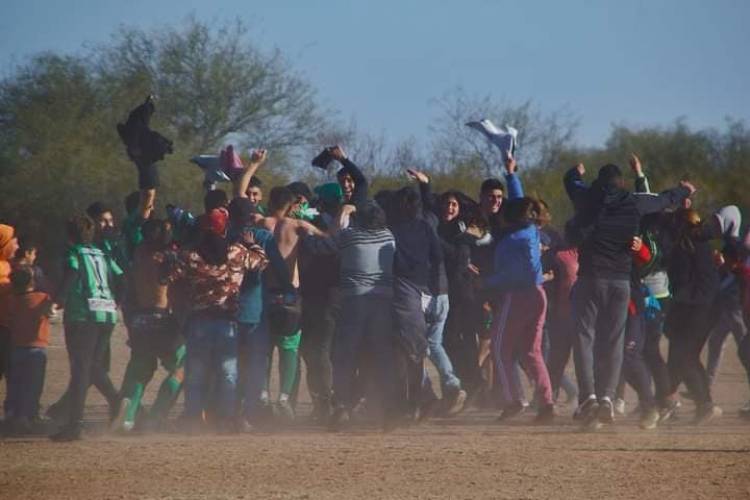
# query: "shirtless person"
153,333
287,233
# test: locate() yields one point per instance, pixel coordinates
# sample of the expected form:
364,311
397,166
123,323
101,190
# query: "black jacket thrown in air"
607,219
144,146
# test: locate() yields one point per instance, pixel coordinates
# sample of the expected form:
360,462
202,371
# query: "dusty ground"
469,457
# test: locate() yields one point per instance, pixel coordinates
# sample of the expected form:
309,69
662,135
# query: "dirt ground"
471,456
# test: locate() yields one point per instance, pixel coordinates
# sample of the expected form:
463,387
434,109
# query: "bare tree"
541,137
212,84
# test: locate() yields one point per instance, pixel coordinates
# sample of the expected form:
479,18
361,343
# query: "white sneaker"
119,420
620,406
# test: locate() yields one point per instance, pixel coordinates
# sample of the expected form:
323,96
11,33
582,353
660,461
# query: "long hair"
521,211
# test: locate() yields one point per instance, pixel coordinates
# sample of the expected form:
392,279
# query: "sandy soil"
468,457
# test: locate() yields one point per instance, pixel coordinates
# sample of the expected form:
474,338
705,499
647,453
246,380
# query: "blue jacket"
518,261
515,188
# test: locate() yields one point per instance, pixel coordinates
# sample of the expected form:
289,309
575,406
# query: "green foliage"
59,149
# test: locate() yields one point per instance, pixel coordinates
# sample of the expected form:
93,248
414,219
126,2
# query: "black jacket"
693,275
607,219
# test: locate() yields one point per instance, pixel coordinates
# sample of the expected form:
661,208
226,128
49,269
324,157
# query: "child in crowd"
29,336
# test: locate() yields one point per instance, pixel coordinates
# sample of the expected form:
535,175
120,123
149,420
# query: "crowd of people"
365,288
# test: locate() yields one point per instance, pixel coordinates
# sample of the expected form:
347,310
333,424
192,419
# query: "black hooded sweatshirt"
608,218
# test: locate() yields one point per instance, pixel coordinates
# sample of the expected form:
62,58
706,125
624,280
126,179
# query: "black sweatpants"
87,352
318,329
688,327
461,345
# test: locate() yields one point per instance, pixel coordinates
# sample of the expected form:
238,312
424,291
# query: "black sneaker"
707,412
606,411
115,409
668,411
427,409
339,419
586,410
70,432
512,410
56,412
321,411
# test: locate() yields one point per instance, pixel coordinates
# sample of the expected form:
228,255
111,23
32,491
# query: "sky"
637,63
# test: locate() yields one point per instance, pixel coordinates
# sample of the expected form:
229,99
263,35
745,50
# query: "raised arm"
575,186
257,158
515,188
429,201
641,181
649,203
359,194
146,203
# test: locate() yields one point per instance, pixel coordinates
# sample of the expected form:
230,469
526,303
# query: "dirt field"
469,457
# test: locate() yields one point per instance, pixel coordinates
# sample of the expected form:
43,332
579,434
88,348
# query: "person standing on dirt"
366,253
154,334
693,313
607,217
87,294
319,280
29,333
287,233
212,274
416,269
517,281
437,304
252,314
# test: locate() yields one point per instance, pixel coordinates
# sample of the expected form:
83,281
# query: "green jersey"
91,297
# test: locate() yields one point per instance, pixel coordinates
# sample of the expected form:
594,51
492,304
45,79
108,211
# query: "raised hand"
689,185
258,156
338,153
635,165
418,176
510,165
